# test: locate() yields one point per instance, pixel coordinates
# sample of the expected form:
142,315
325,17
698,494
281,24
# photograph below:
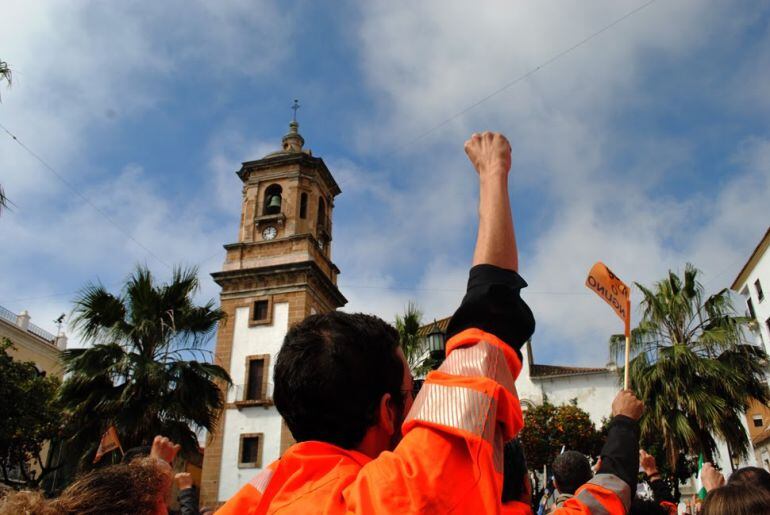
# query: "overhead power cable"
82,196
529,73
417,138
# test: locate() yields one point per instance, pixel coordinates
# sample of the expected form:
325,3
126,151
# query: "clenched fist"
627,404
490,153
164,449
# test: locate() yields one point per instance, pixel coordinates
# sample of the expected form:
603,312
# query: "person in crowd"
753,476
188,497
366,445
661,493
139,487
571,470
517,487
736,499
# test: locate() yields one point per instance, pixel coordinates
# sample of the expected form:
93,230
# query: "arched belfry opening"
272,201
321,213
303,205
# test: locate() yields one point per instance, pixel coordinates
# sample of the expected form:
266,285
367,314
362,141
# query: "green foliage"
547,428
31,418
693,368
408,325
136,374
5,73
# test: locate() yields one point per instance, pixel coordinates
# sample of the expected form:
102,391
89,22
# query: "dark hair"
331,373
737,499
135,487
135,453
752,476
514,471
571,470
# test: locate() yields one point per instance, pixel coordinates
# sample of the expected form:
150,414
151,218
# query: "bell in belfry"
274,205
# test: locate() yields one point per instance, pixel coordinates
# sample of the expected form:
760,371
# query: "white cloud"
427,61
81,71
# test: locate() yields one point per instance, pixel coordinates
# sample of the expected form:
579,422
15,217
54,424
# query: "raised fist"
183,480
627,404
164,449
490,153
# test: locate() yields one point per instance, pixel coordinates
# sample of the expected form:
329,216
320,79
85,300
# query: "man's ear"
387,414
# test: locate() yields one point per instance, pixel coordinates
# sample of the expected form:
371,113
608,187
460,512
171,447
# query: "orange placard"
108,443
614,292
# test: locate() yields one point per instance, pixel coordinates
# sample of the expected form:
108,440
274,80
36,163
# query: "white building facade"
753,285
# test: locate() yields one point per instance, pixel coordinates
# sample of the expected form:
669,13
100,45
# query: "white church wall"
262,339
528,390
594,392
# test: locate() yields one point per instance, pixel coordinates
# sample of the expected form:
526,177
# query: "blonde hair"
136,487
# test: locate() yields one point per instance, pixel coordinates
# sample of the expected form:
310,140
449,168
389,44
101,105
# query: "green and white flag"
698,480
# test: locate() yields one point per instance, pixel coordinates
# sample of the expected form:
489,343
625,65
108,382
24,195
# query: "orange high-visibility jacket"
449,460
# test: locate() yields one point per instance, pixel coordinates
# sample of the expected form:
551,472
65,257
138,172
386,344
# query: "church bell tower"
278,272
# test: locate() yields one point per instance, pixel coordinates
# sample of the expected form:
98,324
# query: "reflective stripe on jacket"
605,494
449,460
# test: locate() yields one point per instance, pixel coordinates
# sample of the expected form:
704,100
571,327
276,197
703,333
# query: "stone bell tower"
277,273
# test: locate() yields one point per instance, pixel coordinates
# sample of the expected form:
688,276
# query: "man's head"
753,476
343,379
571,470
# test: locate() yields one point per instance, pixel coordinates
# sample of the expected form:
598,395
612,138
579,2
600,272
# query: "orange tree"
547,428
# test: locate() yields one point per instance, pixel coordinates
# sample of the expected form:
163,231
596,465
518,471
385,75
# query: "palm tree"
693,367
137,373
408,326
5,75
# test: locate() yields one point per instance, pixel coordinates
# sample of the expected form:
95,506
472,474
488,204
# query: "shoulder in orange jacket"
449,460
450,457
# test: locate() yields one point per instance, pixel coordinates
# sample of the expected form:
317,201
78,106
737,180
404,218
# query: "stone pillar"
22,320
61,342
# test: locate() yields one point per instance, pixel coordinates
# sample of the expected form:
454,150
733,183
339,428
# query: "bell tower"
278,272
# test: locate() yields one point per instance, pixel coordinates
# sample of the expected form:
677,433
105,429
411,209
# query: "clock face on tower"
269,232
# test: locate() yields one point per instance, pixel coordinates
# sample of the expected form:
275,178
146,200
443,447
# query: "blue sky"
647,147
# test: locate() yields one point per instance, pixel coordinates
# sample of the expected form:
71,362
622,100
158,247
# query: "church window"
760,293
321,212
251,450
271,204
303,205
260,312
256,379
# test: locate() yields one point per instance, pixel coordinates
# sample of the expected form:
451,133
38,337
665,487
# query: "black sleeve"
188,502
660,491
620,454
493,304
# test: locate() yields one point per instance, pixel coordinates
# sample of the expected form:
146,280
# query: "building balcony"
241,397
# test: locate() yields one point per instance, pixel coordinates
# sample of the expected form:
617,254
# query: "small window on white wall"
256,377
250,455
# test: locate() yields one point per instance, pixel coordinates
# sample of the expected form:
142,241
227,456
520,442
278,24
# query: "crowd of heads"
332,376
747,492
140,486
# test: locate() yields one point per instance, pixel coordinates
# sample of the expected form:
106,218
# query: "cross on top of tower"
294,108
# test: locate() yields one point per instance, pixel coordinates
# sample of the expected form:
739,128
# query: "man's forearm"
496,241
620,453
